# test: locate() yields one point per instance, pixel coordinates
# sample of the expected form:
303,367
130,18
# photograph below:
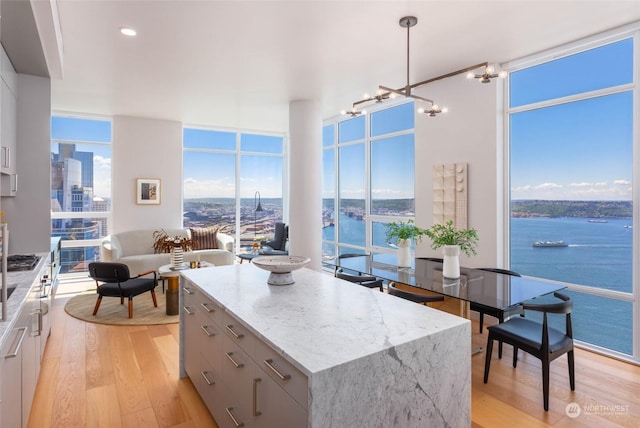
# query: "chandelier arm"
395,91
453,73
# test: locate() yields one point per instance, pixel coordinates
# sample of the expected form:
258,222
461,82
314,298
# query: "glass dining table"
494,290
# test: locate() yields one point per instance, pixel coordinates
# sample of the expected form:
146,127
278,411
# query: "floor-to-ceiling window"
80,187
368,179
234,181
571,158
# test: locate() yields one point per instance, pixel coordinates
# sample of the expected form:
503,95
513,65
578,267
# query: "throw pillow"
204,238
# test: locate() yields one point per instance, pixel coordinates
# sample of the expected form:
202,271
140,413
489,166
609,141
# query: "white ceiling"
240,63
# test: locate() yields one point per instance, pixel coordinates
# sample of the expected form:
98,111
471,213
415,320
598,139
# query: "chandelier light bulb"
470,75
128,31
502,74
421,110
343,112
366,96
435,107
363,112
445,109
490,69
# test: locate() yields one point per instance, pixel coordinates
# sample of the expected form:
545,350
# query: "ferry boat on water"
597,221
550,244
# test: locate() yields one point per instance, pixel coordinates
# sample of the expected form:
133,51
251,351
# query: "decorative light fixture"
128,31
489,73
258,208
385,92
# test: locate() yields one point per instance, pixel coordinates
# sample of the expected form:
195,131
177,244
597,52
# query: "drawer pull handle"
236,335
206,378
256,412
187,290
16,350
188,310
229,411
235,363
269,363
207,332
206,308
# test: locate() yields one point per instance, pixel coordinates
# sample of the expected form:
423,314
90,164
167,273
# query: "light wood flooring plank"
99,360
160,384
142,418
70,397
103,410
128,377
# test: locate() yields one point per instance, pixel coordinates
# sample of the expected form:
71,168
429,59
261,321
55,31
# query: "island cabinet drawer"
210,386
239,334
195,301
237,369
283,373
210,337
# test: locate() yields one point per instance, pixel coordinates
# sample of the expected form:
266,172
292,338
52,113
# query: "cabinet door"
11,386
273,406
190,343
8,134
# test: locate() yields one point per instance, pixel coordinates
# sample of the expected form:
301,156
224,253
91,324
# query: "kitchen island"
320,353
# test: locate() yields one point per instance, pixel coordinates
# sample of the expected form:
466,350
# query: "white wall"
29,213
146,148
467,133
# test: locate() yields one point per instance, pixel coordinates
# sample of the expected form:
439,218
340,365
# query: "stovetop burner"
18,262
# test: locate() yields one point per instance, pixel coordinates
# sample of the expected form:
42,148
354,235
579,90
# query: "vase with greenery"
452,241
403,233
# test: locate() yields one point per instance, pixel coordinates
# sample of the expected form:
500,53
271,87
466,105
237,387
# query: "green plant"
402,230
446,234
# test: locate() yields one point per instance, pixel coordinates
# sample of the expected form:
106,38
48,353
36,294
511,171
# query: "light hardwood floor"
117,376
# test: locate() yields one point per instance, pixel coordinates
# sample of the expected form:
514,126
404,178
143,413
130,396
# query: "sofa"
135,249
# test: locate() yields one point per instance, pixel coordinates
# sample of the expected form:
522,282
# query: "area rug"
112,312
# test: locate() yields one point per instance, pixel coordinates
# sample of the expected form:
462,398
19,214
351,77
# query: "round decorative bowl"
280,267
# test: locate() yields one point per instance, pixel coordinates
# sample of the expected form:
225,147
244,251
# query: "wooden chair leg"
95,309
515,357
122,300
487,361
481,321
153,295
130,307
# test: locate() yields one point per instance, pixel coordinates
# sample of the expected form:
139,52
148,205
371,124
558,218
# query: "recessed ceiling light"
128,31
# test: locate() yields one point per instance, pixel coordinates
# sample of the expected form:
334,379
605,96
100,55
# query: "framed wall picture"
148,191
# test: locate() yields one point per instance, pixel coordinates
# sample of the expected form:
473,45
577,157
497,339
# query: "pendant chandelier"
486,73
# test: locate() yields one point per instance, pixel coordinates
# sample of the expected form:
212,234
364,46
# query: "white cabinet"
11,386
239,377
8,126
20,358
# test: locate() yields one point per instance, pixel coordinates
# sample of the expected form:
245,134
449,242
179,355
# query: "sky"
579,150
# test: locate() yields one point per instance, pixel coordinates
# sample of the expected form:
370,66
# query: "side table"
172,275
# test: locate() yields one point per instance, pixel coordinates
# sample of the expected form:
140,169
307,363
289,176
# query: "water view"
598,253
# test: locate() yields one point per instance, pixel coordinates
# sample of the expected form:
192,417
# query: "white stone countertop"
320,321
23,281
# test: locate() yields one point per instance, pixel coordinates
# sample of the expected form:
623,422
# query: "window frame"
594,41
338,246
238,153
65,215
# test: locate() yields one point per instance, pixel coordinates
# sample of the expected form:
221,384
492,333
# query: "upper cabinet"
8,125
